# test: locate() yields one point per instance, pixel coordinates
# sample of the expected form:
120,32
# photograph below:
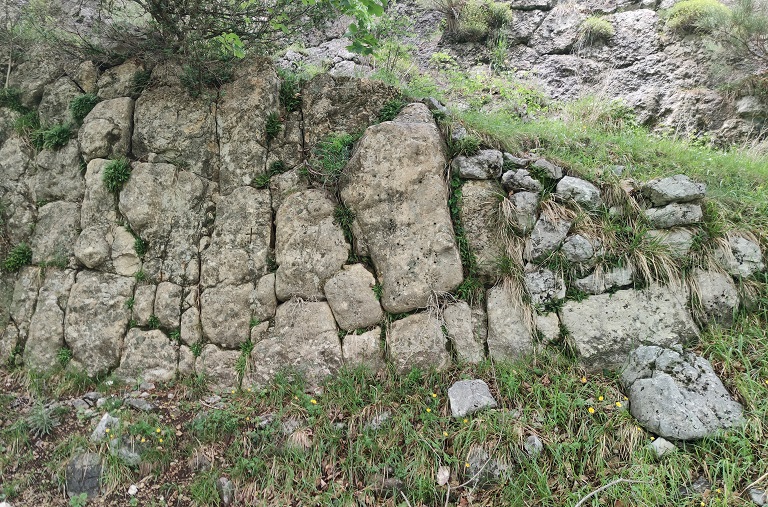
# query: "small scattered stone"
673,215
758,496
199,462
697,487
80,404
482,469
386,487
92,397
662,446
133,489
469,396
533,446
147,386
551,170
520,179
677,188
84,474
510,159
226,490
486,164
443,475
140,404
107,422
580,191
377,421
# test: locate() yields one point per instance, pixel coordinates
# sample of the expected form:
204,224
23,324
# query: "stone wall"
210,260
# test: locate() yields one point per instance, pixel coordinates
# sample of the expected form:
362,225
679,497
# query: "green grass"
11,98
329,157
694,15
272,126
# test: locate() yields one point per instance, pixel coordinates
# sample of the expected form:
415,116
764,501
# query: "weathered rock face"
464,332
341,104
605,328
226,314
149,356
674,215
46,328
165,207
480,218
579,191
417,341
96,337
182,130
310,246
486,164
106,131
350,294
547,236
677,395
54,106
509,335
677,188
394,185
56,232
241,118
717,295
304,338
743,258
364,350
242,233
58,175
218,366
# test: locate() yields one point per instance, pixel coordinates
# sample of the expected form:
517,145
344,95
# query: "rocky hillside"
281,238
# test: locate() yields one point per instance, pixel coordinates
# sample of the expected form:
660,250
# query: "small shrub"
41,422
27,123
116,173
330,157
694,16
11,98
81,105
175,335
196,349
391,109
20,256
272,126
153,322
262,180
595,29
478,19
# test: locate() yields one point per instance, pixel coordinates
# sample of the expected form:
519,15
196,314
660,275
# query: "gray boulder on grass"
469,396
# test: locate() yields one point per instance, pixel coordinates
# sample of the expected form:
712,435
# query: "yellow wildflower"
429,409
591,410
583,380
143,440
247,418
161,440
434,395
313,401
445,433
618,404
466,465
157,430
600,398
106,430
466,421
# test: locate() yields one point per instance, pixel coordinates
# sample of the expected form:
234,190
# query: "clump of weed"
290,90
694,16
115,174
11,98
272,126
343,217
41,421
140,246
20,256
51,138
64,356
467,145
81,105
140,81
330,156
391,109
595,29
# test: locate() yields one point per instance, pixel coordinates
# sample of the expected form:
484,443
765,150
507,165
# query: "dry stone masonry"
200,265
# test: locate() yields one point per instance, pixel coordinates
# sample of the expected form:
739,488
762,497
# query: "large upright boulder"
96,319
304,338
165,207
58,174
309,245
417,341
604,329
46,328
242,233
480,205
179,128
394,184
510,336
241,118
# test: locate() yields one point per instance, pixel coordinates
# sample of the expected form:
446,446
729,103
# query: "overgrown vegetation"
329,157
18,257
81,105
595,29
694,16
